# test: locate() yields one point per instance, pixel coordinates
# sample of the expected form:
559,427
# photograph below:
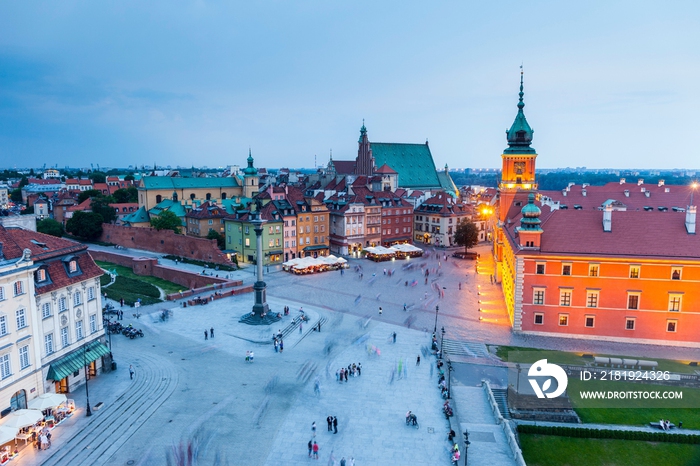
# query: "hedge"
583,432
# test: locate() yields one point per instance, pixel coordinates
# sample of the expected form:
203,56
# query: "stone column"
260,307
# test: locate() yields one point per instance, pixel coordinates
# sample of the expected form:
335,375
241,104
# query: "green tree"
129,177
167,221
220,240
130,194
466,234
23,182
98,177
50,226
87,225
16,196
87,194
100,205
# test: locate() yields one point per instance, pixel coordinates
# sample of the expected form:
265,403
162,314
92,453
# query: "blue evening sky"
607,84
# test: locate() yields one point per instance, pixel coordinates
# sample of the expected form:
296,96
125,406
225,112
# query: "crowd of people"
355,370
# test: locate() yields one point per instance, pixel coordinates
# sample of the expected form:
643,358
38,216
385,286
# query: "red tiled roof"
677,195
205,211
15,240
386,170
634,233
83,206
58,274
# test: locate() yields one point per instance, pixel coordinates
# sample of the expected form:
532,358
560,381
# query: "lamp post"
466,446
437,308
88,411
449,379
442,344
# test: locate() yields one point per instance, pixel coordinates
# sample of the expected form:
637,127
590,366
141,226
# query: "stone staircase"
467,349
501,397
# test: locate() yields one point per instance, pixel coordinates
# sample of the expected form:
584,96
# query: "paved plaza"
192,394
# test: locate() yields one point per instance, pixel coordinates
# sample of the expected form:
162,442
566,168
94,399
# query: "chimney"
622,181
690,219
640,181
661,183
667,190
627,193
584,193
607,218
647,193
563,191
643,189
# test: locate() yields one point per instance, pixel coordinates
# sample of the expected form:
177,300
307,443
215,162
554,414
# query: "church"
595,271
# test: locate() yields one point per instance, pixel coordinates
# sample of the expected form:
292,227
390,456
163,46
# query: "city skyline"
609,86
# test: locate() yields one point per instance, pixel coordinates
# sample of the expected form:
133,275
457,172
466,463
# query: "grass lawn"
168,287
549,450
530,355
131,290
634,412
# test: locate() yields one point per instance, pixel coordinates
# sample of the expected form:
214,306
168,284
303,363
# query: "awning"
276,252
65,366
315,248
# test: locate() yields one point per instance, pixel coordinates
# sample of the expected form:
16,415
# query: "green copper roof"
446,182
413,162
250,169
168,204
140,216
520,133
531,214
167,182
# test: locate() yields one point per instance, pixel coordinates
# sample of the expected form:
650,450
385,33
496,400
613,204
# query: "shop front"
89,356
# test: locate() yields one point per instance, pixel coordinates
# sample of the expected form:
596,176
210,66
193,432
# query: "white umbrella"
47,400
21,418
7,434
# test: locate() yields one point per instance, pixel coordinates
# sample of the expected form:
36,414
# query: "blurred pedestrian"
418,361
335,425
206,335
211,332
131,372
315,450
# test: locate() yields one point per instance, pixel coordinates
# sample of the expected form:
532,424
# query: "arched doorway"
223,196
19,400
159,199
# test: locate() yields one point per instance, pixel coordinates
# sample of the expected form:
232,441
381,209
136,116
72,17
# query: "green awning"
73,362
315,248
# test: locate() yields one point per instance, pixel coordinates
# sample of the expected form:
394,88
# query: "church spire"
520,133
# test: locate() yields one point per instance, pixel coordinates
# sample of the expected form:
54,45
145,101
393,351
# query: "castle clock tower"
518,172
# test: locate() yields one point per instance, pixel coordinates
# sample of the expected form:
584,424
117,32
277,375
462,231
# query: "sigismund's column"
260,307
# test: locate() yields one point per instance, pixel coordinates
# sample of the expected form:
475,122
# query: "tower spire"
520,133
521,104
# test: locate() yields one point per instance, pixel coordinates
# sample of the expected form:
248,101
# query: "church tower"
365,161
518,172
250,178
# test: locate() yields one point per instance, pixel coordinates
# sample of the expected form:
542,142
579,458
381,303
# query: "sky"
117,83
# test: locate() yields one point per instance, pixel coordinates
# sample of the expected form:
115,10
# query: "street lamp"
466,446
437,308
449,379
442,344
88,412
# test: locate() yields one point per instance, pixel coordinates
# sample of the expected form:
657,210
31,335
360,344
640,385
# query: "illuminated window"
18,288
563,320
630,323
41,275
566,269
589,321
539,318
247,242
634,271
73,266
593,270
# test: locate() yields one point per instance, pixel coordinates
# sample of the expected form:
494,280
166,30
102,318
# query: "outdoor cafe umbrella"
47,400
7,434
21,418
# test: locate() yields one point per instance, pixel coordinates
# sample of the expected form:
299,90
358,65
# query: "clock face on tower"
519,167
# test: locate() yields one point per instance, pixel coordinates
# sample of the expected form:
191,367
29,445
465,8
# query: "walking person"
315,450
418,361
300,324
380,310
211,332
310,445
206,335
394,336
335,425
342,461
281,346
131,372
313,428
329,420
276,345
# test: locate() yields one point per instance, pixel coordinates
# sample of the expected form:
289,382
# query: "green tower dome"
531,214
520,133
250,170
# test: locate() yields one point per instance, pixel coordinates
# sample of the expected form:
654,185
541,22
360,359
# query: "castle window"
630,323
589,321
674,302
566,269
539,318
563,320
634,271
676,273
540,269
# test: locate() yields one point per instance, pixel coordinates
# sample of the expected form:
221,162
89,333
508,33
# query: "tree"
50,226
87,194
23,182
129,177
466,234
98,177
100,205
87,225
167,221
16,196
220,240
123,195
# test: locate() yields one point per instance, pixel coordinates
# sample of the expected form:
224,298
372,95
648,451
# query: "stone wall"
149,266
164,242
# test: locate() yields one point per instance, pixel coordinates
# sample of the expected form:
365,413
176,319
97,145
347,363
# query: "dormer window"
41,275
